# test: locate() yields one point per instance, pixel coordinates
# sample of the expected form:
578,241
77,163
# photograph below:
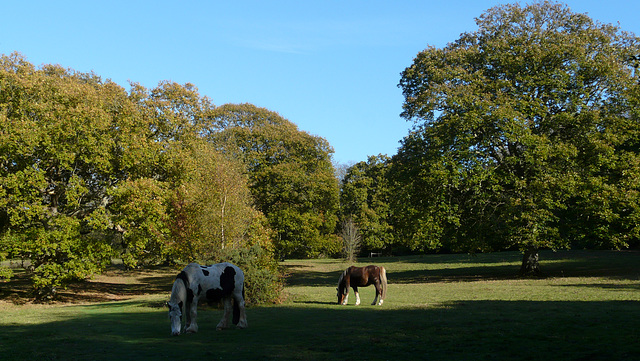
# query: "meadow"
438,307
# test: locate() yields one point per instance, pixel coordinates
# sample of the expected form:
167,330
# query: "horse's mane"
183,276
179,289
342,276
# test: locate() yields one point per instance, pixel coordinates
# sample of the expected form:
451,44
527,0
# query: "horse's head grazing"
175,315
340,295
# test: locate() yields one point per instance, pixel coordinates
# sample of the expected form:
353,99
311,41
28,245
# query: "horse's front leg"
187,313
355,290
192,315
225,317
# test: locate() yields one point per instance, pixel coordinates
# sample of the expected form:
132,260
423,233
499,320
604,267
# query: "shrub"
263,281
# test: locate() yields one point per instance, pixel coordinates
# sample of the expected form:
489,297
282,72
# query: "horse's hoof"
242,325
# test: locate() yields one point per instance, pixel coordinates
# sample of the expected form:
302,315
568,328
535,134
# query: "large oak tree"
526,136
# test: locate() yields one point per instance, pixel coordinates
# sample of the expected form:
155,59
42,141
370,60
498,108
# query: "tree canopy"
291,176
366,200
526,135
90,171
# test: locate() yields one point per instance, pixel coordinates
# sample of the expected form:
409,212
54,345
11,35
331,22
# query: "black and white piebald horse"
222,281
355,277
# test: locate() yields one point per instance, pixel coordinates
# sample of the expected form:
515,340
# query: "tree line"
525,136
90,171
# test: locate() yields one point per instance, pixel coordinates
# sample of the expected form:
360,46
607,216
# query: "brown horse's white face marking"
175,315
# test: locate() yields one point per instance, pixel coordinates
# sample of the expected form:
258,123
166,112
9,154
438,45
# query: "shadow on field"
476,273
114,285
494,266
304,277
456,331
609,286
461,274
312,278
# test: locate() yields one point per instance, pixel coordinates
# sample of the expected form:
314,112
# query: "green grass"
438,307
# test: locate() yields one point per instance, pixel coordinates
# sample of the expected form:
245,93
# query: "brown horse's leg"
355,289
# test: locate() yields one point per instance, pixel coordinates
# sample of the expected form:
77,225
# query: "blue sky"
331,67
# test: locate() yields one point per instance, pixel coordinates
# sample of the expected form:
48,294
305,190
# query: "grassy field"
438,307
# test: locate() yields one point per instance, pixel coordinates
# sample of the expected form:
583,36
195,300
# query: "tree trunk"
530,262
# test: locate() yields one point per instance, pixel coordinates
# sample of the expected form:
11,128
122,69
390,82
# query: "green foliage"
263,283
526,135
56,137
211,204
366,196
290,176
139,209
89,172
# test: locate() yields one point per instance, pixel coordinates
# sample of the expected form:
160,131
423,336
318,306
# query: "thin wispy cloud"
309,37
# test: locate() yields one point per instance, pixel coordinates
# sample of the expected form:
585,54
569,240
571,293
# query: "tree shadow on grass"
453,331
460,274
312,278
609,286
316,302
497,266
114,285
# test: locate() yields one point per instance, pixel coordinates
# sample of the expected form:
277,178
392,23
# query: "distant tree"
351,240
341,170
213,197
526,136
291,176
365,198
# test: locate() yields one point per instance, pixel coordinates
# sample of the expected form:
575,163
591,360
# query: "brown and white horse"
222,281
355,277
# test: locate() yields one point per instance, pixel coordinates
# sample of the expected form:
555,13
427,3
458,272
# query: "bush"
262,278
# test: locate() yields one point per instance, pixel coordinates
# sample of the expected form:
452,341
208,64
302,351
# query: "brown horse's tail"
383,282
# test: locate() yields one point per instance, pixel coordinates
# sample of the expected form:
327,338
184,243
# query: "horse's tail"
383,282
236,308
